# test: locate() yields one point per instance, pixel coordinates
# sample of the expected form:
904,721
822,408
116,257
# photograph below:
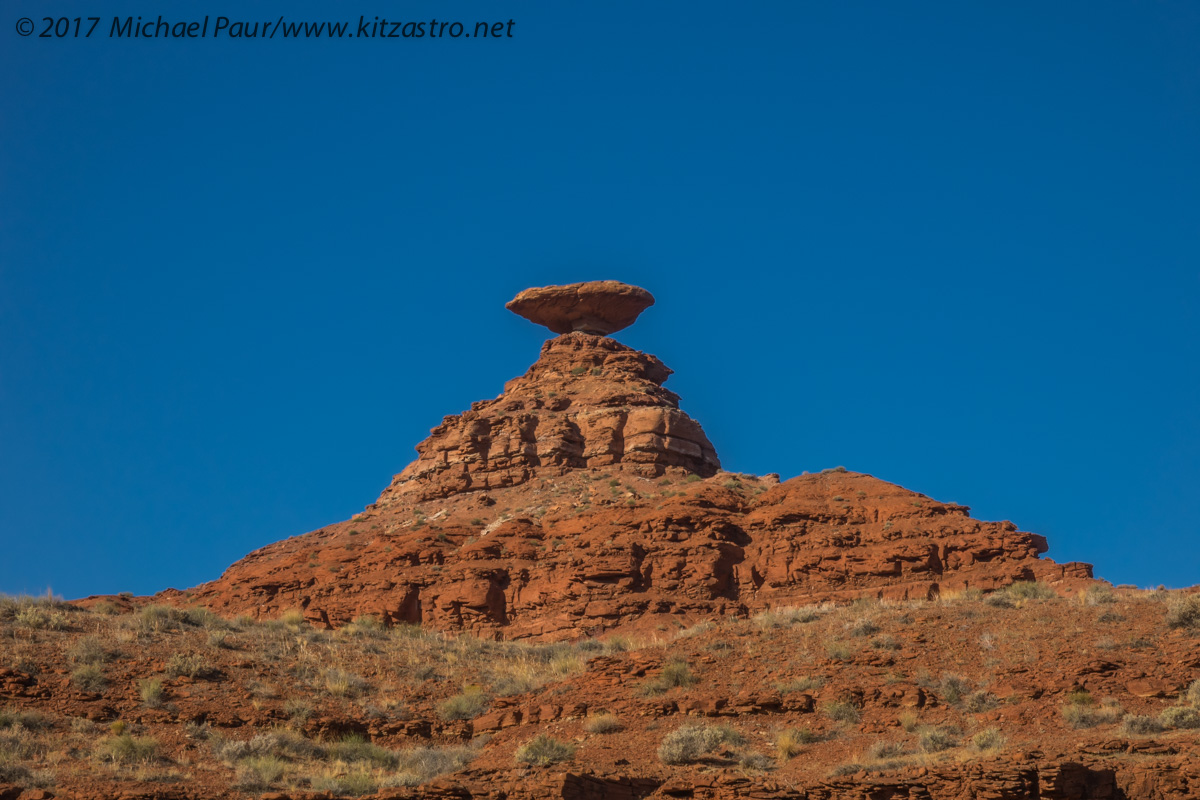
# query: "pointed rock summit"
584,499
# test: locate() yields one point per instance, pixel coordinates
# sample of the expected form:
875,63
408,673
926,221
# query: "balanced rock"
599,307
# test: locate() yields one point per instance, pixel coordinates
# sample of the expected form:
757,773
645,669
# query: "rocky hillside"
565,596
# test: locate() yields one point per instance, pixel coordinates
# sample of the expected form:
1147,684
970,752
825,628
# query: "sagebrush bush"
939,738
1137,725
1192,695
543,750
1180,717
90,650
1097,595
953,689
692,743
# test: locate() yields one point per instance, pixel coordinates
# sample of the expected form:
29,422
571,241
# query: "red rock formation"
583,499
600,307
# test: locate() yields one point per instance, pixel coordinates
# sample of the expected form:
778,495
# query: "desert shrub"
1184,612
979,701
420,764
29,720
154,619
105,608
756,761
838,652
802,684
1180,717
1192,695
14,773
1030,590
953,689
789,742
863,627
354,748
988,739
910,721
260,772
1137,725
89,678
1097,595
885,643
344,684
785,616
39,617
1082,714
939,738
191,665
297,710
90,650
840,711
465,705
218,639
151,692
543,750
674,674
278,743
353,784
882,751
604,723
293,618
692,743
1000,599
128,749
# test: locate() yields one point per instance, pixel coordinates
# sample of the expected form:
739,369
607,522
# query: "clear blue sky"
954,245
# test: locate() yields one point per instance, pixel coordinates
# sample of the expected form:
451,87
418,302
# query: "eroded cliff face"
583,499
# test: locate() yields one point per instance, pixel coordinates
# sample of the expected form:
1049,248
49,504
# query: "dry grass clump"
341,683
29,720
840,711
674,674
1184,612
938,738
90,678
468,704
190,665
151,692
1097,595
789,742
604,723
988,739
126,748
543,750
786,616
693,743
90,650
1081,711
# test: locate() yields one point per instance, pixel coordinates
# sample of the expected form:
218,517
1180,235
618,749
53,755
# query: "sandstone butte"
537,535
541,513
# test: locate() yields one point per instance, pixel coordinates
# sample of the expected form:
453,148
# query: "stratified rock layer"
587,402
603,548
